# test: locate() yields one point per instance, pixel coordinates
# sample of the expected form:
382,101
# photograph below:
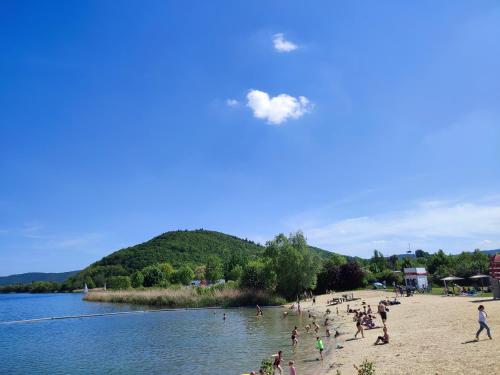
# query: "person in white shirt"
482,322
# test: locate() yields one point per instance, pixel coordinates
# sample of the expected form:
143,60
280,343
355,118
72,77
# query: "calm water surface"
175,342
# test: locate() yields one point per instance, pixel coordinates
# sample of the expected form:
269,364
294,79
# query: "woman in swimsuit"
295,334
359,326
277,363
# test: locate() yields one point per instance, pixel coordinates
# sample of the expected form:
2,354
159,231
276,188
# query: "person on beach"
277,363
295,334
327,332
292,368
383,339
320,346
382,310
316,327
369,311
359,326
308,327
482,323
314,301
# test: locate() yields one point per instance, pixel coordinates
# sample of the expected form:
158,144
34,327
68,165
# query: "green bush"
153,276
137,279
366,368
184,275
119,282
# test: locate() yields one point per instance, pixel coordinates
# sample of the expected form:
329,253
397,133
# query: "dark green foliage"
153,276
213,269
183,275
35,287
137,279
236,273
119,282
258,274
347,276
28,278
181,247
293,263
90,282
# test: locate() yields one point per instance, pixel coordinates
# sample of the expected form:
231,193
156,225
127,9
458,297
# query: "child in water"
292,368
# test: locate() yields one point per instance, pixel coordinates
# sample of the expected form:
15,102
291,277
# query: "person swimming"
295,334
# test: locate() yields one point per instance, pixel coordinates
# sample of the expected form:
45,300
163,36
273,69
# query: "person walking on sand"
295,334
482,323
292,368
277,363
382,310
359,326
320,346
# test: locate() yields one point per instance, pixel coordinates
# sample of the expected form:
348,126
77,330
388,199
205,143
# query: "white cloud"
429,225
232,102
283,45
277,109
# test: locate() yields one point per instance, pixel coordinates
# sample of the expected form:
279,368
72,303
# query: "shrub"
366,368
184,275
153,275
137,279
267,366
119,282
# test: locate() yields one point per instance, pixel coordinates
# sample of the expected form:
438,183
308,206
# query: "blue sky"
368,125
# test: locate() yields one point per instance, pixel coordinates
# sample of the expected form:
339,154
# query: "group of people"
365,320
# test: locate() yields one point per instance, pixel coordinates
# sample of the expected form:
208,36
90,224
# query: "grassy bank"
187,297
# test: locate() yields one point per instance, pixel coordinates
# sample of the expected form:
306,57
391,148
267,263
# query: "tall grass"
187,297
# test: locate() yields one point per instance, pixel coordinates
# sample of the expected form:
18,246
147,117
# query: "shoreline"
429,334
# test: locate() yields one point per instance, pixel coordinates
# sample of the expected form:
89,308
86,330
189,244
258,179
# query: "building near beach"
416,277
495,275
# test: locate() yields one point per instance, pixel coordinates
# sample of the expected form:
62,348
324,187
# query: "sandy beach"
428,335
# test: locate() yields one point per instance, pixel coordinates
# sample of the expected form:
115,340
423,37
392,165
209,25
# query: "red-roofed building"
495,275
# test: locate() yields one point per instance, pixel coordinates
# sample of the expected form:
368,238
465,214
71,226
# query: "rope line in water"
36,320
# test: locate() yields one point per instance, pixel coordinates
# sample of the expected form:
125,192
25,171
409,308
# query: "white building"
416,277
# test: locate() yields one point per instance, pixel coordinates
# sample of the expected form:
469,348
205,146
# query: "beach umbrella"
451,278
482,277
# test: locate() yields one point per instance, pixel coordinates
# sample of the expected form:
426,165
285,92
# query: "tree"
236,273
119,282
137,279
296,267
259,275
351,276
153,276
378,262
213,269
199,272
184,275
421,254
167,269
90,283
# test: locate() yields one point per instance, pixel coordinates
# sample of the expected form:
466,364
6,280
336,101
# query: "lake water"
173,342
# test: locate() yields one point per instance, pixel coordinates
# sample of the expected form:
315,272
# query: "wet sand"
428,335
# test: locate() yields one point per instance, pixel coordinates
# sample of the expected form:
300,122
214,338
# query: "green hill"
28,278
191,247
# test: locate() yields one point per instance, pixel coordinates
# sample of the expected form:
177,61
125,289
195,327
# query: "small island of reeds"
188,297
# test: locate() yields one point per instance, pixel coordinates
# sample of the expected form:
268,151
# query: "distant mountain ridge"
181,247
28,278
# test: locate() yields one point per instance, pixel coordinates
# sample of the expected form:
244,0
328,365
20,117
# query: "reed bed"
187,297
